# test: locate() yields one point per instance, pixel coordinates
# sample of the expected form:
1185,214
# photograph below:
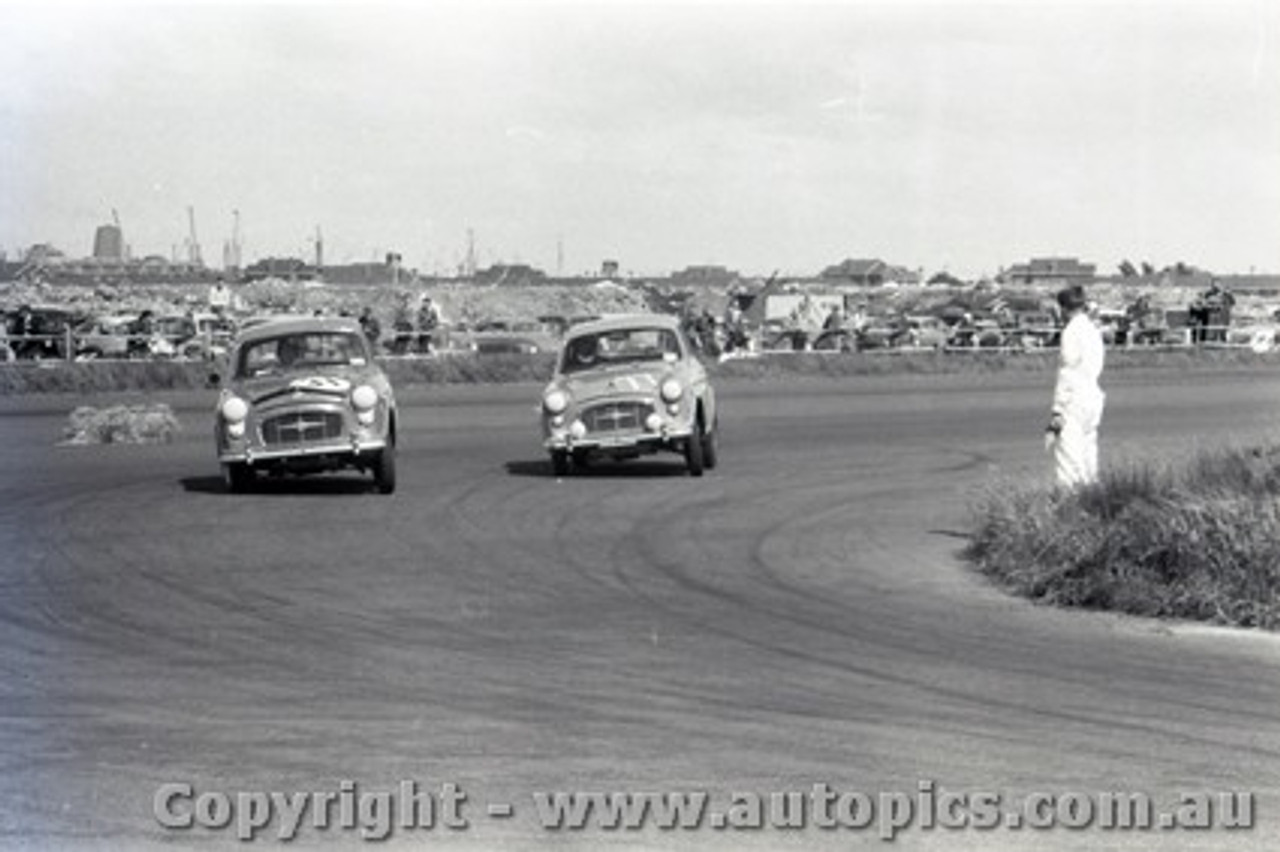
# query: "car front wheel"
238,476
710,449
384,470
694,451
559,463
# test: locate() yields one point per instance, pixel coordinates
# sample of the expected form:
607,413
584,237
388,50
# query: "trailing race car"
625,387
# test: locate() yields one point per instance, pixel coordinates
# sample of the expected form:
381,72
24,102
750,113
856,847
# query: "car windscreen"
301,350
619,346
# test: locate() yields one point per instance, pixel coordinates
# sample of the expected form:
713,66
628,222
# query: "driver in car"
290,350
585,351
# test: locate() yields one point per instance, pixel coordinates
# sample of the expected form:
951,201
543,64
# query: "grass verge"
129,376
1197,541
124,376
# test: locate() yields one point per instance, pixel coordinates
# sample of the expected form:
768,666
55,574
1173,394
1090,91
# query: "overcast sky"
760,137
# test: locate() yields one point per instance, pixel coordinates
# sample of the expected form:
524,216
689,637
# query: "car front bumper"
353,448
663,439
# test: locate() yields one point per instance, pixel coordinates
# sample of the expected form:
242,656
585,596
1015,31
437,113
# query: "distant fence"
72,346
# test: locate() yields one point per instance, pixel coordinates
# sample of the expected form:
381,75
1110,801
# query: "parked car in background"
1172,328
504,344
881,333
978,334
625,387
1258,336
104,336
1114,325
836,340
924,332
775,337
554,324
1034,330
212,338
305,396
512,337
170,333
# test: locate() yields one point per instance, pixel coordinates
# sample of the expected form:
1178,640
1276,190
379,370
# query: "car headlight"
578,429
364,398
555,402
671,390
234,409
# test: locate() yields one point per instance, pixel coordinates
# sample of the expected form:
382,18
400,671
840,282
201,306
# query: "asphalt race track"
796,617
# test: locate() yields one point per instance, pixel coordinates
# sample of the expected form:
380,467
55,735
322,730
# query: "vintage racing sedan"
628,386
305,396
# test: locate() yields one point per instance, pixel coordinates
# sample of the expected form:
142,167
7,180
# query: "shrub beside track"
1197,540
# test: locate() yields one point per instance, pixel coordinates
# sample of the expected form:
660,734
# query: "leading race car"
305,396
625,387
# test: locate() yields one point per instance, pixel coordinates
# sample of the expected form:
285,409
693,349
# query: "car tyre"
559,463
384,470
693,451
238,476
710,449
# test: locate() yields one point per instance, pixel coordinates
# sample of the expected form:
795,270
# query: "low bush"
1198,541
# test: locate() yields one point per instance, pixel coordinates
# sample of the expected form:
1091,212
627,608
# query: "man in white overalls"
1072,433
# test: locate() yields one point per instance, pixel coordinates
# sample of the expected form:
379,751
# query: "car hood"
318,383
623,380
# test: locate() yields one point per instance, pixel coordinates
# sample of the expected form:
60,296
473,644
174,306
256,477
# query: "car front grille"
616,416
301,427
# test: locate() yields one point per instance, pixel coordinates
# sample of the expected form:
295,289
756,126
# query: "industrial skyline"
951,136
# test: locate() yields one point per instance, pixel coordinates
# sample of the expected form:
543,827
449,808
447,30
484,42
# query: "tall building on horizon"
108,243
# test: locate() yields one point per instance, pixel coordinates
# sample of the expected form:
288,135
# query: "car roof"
299,325
620,322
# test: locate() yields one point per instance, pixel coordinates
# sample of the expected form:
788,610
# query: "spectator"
428,324
6,351
707,334
1217,312
219,297
834,320
371,327
403,326
24,325
141,332
735,328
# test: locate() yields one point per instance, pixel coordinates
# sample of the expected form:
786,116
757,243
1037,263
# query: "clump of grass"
121,424
1200,541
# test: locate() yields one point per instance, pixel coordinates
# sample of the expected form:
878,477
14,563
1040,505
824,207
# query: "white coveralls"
1078,401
